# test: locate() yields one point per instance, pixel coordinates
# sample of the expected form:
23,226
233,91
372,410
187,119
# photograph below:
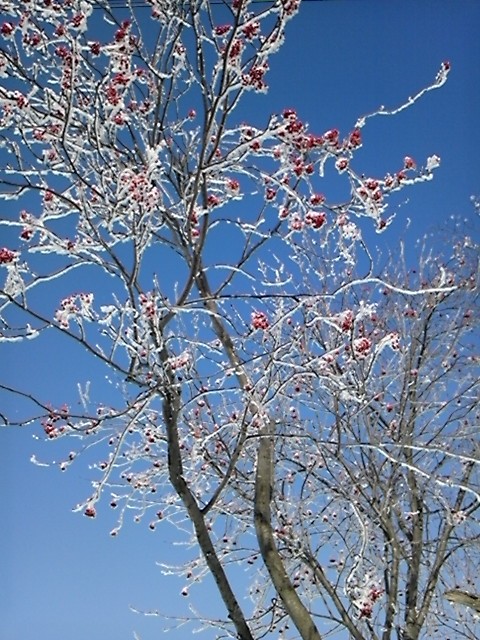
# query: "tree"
308,415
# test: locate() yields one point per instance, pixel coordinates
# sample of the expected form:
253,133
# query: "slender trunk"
392,574
412,627
294,607
171,406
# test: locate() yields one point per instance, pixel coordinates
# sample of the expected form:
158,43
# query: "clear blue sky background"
61,575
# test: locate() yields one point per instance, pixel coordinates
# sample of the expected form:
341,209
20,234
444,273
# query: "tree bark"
458,596
171,407
294,607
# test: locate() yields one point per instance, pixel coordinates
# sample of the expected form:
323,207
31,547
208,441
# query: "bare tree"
308,415
389,477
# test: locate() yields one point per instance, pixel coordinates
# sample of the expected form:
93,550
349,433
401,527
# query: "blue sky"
62,575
